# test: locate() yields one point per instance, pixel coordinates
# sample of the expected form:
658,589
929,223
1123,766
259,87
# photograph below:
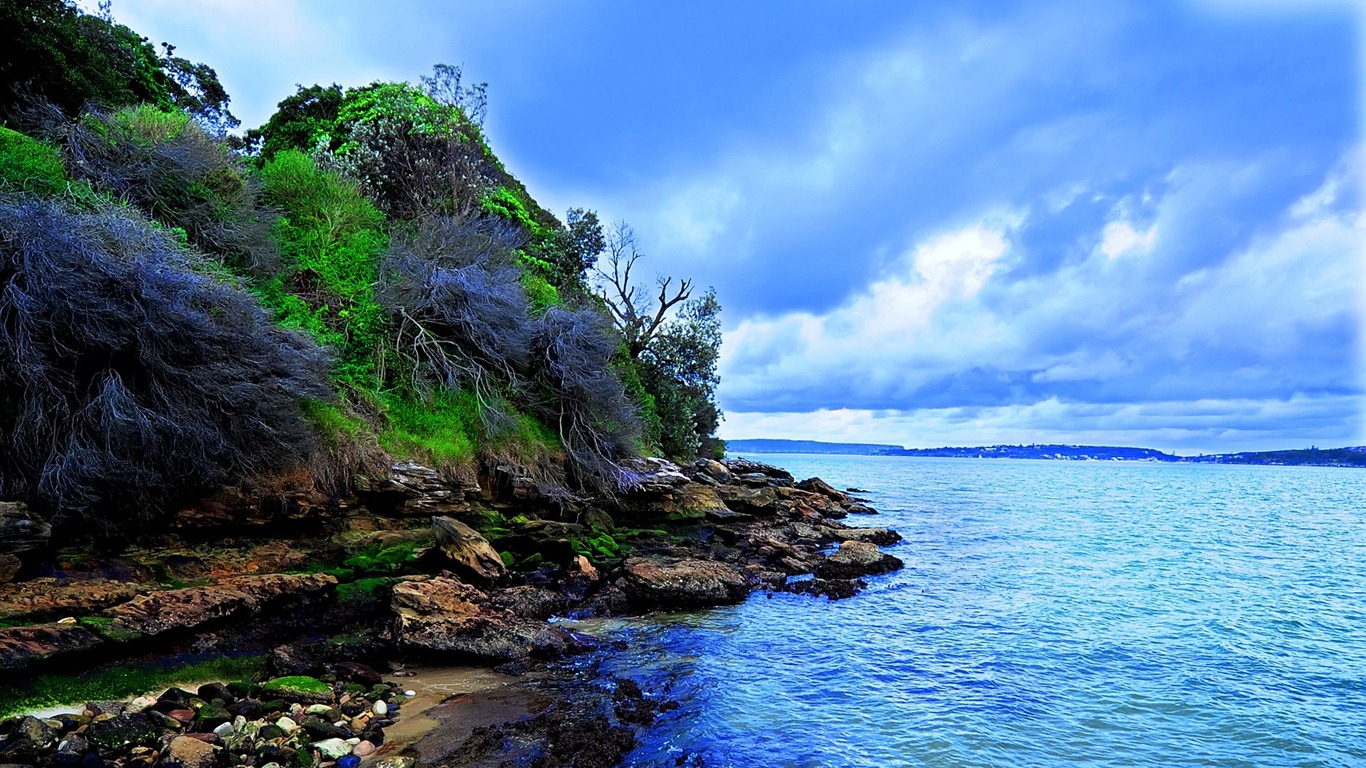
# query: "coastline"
708,534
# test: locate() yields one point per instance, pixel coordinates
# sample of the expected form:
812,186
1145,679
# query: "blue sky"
1130,223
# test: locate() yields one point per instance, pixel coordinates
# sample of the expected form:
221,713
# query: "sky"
1119,223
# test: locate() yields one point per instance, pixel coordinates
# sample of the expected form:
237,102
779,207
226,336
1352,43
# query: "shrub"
28,165
127,374
587,406
168,166
332,239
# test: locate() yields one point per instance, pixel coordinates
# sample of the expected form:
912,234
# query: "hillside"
744,447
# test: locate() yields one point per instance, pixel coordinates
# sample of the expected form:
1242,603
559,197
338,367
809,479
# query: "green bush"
28,165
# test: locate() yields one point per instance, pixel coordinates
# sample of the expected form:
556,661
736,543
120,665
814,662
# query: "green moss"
364,590
508,558
120,682
103,627
599,546
384,559
296,683
28,165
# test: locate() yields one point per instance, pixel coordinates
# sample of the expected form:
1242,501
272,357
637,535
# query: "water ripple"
1051,614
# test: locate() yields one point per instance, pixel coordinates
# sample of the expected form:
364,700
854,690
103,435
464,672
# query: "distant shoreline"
1354,456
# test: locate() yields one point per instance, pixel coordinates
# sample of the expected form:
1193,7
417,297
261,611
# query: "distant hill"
1057,452
1311,457
807,446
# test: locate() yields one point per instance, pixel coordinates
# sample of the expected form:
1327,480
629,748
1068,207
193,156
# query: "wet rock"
757,501
834,589
355,672
529,602
186,752
448,617
21,646
880,536
855,559
687,583
119,734
21,530
469,553
38,733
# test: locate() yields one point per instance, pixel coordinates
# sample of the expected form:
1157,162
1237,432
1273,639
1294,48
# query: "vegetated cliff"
358,283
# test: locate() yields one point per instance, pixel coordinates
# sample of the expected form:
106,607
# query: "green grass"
121,682
28,165
443,428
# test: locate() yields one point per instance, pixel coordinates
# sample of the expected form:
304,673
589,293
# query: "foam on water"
1050,614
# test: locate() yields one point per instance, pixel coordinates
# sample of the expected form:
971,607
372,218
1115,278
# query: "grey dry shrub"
126,376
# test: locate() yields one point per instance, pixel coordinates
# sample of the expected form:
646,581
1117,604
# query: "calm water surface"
1050,614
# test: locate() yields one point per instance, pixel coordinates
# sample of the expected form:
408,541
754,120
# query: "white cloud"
1120,238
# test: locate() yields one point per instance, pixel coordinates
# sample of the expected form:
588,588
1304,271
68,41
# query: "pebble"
332,748
223,731
363,749
287,725
318,709
348,761
380,708
410,694
140,704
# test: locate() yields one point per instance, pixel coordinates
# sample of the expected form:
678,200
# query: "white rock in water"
287,725
332,748
410,694
381,708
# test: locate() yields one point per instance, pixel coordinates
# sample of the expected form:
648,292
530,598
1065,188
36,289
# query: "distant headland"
1354,456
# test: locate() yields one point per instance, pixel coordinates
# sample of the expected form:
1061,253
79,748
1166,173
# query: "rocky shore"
416,569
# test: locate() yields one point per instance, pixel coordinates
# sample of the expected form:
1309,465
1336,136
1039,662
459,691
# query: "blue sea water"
1050,614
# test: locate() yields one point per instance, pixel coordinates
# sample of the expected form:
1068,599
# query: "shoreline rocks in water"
474,586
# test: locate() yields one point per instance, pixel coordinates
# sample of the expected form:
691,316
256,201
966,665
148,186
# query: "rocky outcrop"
855,559
190,608
467,552
22,646
651,583
412,490
446,617
20,531
55,599
883,537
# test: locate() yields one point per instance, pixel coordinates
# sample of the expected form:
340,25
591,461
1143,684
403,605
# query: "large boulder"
651,583
880,536
469,553
855,559
447,617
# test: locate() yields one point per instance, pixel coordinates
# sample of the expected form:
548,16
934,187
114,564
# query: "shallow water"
1050,614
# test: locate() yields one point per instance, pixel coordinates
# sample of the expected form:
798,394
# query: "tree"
636,313
672,341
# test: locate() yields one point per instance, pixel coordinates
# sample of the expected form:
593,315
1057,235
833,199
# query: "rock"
753,500
332,749
285,724
348,761
834,589
857,558
394,761
354,672
9,567
21,530
363,749
687,583
210,716
211,691
880,536
38,733
817,485
21,646
184,609
120,733
469,552
140,704
413,490
747,467
530,602
714,470
186,752
223,730
448,617
380,708
299,688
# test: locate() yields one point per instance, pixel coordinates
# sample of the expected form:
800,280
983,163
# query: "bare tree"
636,313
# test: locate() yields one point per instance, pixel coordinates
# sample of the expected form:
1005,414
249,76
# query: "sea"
1051,613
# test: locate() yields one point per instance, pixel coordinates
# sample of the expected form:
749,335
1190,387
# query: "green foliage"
121,682
28,165
442,428
599,546
331,238
384,558
302,121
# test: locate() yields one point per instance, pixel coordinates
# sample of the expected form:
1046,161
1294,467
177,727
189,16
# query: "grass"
121,682
28,165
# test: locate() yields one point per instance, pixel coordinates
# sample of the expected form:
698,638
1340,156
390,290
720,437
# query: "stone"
332,749
140,704
21,529
394,761
212,691
880,536
285,724
530,602
21,646
363,749
348,761
299,688
857,558
470,553
224,730
355,672
42,735
686,583
210,716
122,732
10,565
380,708
185,752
